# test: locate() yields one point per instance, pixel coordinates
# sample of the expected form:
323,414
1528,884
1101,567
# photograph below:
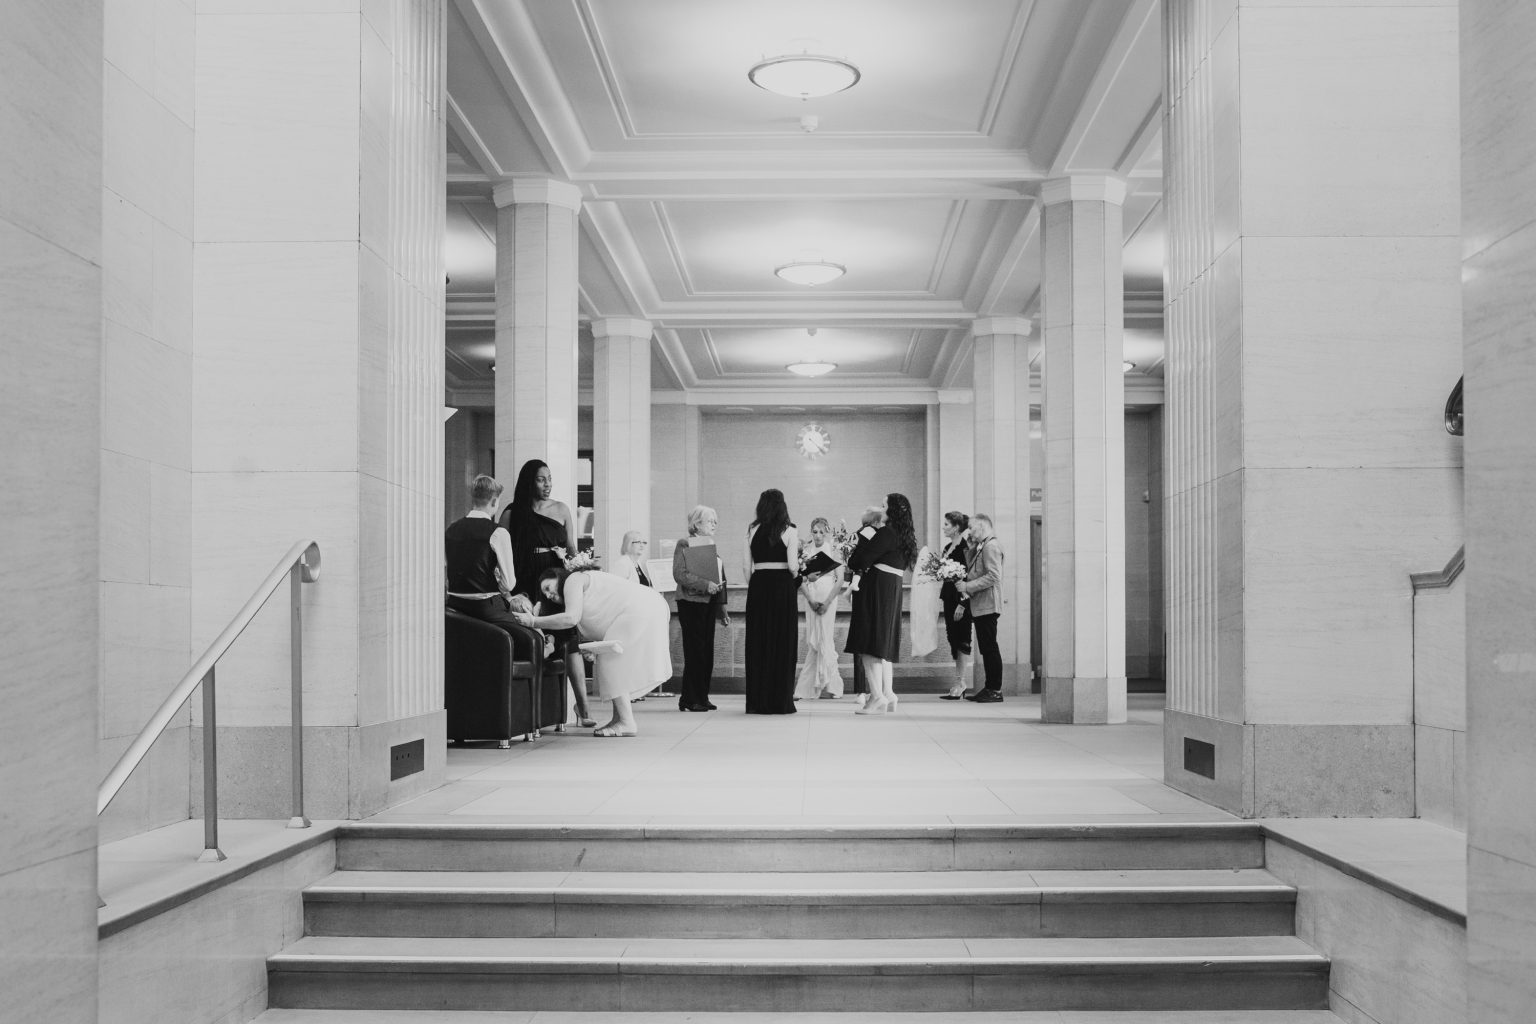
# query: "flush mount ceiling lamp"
810,272
811,369
1126,366
803,76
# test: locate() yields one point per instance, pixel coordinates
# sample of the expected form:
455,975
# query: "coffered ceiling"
922,179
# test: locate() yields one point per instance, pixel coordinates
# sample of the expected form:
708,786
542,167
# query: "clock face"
813,441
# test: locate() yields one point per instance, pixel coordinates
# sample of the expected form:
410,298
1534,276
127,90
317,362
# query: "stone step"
771,975
831,1017
588,904
679,848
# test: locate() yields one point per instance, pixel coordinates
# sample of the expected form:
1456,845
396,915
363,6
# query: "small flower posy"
844,540
940,569
579,562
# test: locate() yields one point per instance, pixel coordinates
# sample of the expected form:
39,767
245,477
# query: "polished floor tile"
930,762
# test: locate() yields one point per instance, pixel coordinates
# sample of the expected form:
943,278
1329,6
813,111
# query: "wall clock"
813,441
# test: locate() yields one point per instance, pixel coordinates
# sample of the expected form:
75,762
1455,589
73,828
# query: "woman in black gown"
883,556
773,622
957,611
539,524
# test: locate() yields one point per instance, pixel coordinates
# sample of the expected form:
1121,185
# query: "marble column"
317,391
953,458
1313,323
1001,481
1498,132
536,330
50,410
1082,417
621,372
675,452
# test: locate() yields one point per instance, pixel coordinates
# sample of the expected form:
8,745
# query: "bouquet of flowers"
844,540
936,567
579,562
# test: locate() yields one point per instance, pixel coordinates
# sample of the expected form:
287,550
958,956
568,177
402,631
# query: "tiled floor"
932,761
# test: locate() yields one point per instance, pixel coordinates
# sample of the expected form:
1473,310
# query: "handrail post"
211,853
296,696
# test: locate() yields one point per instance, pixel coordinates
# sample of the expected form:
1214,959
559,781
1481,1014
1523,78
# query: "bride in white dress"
819,676
601,606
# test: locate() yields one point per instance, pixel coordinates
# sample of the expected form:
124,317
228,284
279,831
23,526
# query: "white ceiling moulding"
507,37
778,189
885,164
857,397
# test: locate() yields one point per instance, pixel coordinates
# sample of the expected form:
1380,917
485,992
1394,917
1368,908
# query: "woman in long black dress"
957,611
539,525
772,641
883,556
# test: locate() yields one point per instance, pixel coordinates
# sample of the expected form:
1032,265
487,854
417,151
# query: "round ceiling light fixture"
811,369
1126,366
803,76
810,272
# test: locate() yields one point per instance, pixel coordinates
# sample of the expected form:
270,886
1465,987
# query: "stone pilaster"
1312,338
622,431
1083,421
1001,481
536,330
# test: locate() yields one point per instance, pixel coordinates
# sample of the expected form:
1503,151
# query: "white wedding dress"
819,672
604,607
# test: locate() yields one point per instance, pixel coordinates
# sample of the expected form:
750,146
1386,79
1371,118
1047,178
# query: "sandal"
607,732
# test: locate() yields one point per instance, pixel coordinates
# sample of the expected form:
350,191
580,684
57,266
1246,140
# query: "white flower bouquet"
936,567
579,562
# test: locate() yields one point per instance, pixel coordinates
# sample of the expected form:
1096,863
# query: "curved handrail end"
311,562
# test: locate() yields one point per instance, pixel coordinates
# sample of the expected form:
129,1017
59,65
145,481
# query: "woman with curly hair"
883,555
601,606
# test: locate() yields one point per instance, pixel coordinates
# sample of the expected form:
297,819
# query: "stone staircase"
950,919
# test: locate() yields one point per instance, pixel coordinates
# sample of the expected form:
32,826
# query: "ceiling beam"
1140,18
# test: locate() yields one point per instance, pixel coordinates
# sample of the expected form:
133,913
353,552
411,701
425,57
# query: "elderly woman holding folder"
700,576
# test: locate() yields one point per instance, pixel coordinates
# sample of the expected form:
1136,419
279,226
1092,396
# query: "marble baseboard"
1083,701
346,768
1296,771
1232,788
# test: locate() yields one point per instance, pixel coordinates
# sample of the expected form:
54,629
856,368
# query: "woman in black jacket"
883,557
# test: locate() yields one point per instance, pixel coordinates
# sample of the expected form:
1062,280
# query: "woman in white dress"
819,676
600,606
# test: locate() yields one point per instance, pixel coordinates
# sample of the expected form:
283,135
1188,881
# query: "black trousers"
696,621
495,610
991,657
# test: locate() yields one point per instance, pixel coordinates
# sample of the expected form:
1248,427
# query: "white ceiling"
921,179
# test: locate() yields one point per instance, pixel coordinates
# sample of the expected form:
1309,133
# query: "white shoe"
890,705
874,707
861,699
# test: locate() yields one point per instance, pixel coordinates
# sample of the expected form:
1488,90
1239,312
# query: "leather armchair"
498,684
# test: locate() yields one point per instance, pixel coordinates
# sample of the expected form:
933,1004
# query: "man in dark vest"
479,557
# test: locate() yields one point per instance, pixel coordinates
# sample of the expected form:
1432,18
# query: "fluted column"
1312,337
621,373
536,225
1083,421
1001,387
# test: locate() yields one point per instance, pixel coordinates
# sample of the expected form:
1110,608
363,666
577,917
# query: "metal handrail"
300,564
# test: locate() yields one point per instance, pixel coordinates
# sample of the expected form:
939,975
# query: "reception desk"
931,673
